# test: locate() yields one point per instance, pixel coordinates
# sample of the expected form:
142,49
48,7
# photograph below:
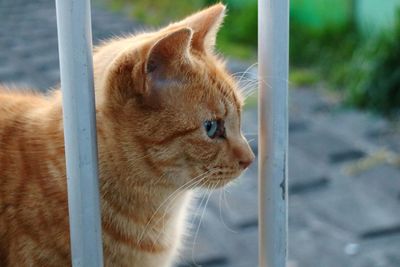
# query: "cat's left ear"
205,25
172,48
164,58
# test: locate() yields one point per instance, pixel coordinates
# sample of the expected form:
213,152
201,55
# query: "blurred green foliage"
303,77
365,68
238,38
316,15
319,34
372,75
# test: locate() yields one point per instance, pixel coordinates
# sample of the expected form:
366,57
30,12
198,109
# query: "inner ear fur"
138,73
167,51
163,64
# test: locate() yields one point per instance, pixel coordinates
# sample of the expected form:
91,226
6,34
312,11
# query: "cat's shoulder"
17,99
17,93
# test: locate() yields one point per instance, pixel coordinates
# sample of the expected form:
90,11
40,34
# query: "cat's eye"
215,128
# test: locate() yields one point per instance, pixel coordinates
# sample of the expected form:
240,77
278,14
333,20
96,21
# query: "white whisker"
220,214
198,228
186,185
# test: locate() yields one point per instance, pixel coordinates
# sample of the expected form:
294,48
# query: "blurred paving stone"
298,126
302,168
355,205
304,103
314,242
388,138
321,144
359,123
316,184
323,221
379,252
381,232
383,180
346,155
8,73
29,31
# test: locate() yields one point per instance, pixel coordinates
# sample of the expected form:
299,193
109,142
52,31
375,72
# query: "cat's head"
172,102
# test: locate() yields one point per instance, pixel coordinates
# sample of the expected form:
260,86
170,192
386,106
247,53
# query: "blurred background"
344,147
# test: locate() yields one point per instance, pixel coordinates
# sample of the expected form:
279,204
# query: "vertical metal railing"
273,61
76,68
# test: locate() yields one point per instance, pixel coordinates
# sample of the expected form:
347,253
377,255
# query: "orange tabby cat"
168,118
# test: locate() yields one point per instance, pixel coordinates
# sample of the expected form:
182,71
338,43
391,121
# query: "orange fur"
153,93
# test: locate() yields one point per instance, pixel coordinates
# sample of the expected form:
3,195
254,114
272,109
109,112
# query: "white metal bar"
76,67
273,61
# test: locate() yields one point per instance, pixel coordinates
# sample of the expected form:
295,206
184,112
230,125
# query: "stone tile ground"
343,166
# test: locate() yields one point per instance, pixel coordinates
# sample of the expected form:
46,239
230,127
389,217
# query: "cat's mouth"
220,177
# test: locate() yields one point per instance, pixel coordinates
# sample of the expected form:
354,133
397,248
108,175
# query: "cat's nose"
245,164
244,155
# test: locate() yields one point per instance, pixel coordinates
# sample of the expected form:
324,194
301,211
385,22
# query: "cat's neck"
149,219
145,204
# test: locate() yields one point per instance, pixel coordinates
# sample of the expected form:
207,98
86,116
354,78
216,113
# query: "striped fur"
153,93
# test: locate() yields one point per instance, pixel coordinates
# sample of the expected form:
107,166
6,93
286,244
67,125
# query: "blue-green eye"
215,128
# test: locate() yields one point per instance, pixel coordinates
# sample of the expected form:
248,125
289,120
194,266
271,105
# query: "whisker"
247,70
249,84
181,188
226,200
246,134
220,214
201,219
198,207
167,209
251,140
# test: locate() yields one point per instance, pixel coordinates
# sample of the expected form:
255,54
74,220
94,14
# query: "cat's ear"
170,49
205,25
157,69
164,59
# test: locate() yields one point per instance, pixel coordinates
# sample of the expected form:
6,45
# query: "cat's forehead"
218,91
223,89
214,83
